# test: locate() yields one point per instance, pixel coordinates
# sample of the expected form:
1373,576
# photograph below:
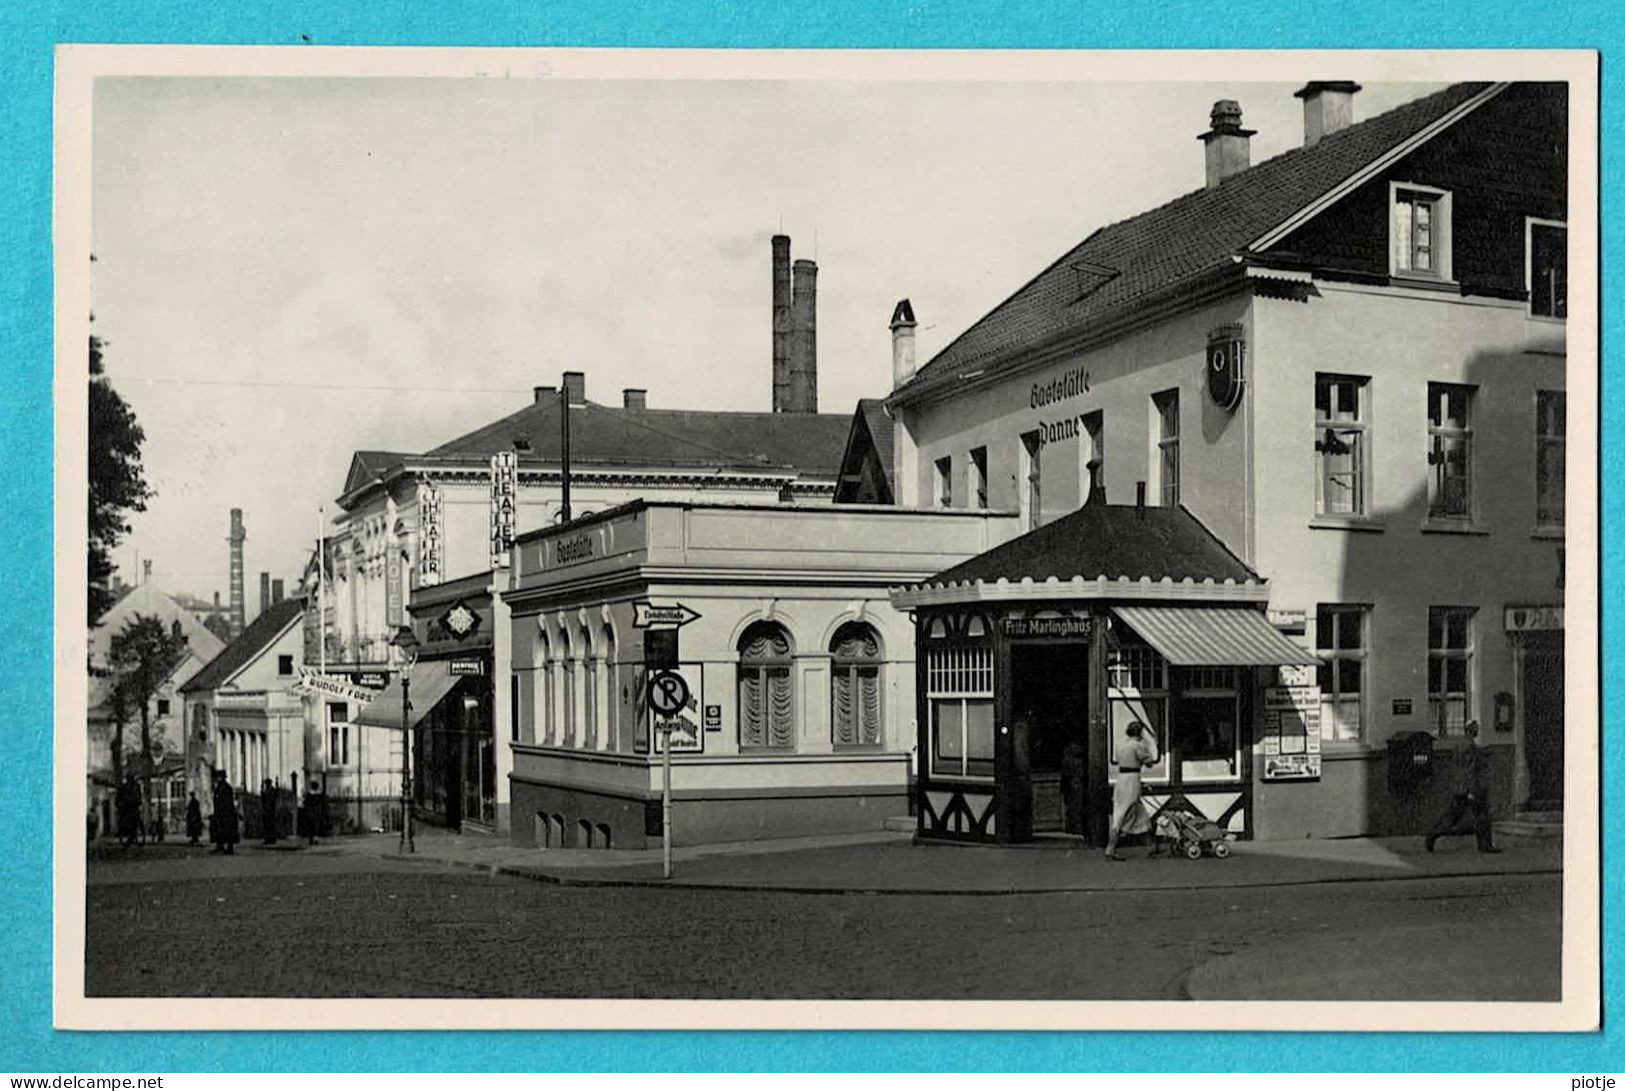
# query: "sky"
292,269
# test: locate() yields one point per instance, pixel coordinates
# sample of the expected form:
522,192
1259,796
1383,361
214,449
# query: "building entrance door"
1542,685
1049,715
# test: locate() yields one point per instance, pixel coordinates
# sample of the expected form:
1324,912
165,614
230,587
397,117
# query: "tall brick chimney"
1227,143
781,322
265,593
803,338
236,621
276,591
1328,105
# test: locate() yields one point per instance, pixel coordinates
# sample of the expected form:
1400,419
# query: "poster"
1292,733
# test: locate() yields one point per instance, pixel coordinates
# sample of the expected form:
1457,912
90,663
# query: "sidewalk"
890,863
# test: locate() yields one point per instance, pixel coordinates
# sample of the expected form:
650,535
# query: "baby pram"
1190,833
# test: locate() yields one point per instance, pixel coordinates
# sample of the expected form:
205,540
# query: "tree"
141,655
117,485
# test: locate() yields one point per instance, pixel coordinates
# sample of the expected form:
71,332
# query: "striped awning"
430,682
1207,636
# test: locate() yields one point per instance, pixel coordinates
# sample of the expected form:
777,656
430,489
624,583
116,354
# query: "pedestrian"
194,819
127,805
1469,792
226,827
1129,815
268,811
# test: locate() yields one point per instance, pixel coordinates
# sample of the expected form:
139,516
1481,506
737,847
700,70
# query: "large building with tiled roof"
1348,363
413,523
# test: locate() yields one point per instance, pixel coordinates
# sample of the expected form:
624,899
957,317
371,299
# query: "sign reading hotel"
504,496
393,572
1292,732
431,544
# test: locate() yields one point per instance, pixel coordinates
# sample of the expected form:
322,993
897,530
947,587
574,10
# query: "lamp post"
406,643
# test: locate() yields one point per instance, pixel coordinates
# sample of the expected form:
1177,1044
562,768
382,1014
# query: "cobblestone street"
329,924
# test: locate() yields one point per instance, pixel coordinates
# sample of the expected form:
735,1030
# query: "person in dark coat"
226,829
128,802
194,819
268,811
1470,792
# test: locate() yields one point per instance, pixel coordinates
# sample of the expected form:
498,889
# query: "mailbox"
1410,760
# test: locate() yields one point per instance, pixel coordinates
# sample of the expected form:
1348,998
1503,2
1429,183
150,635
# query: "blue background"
28,33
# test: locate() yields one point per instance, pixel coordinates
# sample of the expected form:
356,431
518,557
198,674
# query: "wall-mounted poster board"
1292,732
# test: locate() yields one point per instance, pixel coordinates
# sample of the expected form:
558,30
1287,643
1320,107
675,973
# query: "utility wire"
323,386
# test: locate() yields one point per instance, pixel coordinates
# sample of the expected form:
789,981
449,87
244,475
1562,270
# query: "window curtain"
855,693
765,709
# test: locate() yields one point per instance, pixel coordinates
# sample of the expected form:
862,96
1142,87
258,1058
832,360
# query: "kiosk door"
1049,703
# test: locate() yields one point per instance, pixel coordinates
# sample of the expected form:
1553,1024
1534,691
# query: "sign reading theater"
504,497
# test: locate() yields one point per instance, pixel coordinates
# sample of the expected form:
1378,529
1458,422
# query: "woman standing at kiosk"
1128,813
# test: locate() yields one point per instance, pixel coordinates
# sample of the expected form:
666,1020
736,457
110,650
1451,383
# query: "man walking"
1470,792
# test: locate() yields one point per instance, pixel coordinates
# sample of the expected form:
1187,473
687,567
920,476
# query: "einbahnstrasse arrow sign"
648,615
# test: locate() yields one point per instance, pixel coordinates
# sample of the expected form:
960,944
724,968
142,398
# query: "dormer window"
1548,269
1420,233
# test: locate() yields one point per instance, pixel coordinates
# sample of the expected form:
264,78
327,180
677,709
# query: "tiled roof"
808,443
1115,541
881,428
369,466
258,636
1185,238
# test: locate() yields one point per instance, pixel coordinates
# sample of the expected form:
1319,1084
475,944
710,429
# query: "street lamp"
406,643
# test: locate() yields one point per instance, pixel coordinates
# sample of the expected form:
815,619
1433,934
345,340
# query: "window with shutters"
855,686
766,708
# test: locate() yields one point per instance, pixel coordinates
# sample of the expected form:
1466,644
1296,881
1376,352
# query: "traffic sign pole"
668,696
665,808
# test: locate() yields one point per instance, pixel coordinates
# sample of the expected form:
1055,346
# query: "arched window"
541,691
589,693
567,709
854,699
610,693
766,716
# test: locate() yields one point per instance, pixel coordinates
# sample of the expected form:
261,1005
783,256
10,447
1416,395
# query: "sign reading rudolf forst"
504,497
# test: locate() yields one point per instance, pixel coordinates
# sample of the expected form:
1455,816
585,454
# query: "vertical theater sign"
504,495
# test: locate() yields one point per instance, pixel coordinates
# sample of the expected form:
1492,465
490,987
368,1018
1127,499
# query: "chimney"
146,571
633,398
902,343
217,602
781,322
575,387
1226,142
265,592
544,394
1139,498
236,620
1328,105
276,592
803,338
